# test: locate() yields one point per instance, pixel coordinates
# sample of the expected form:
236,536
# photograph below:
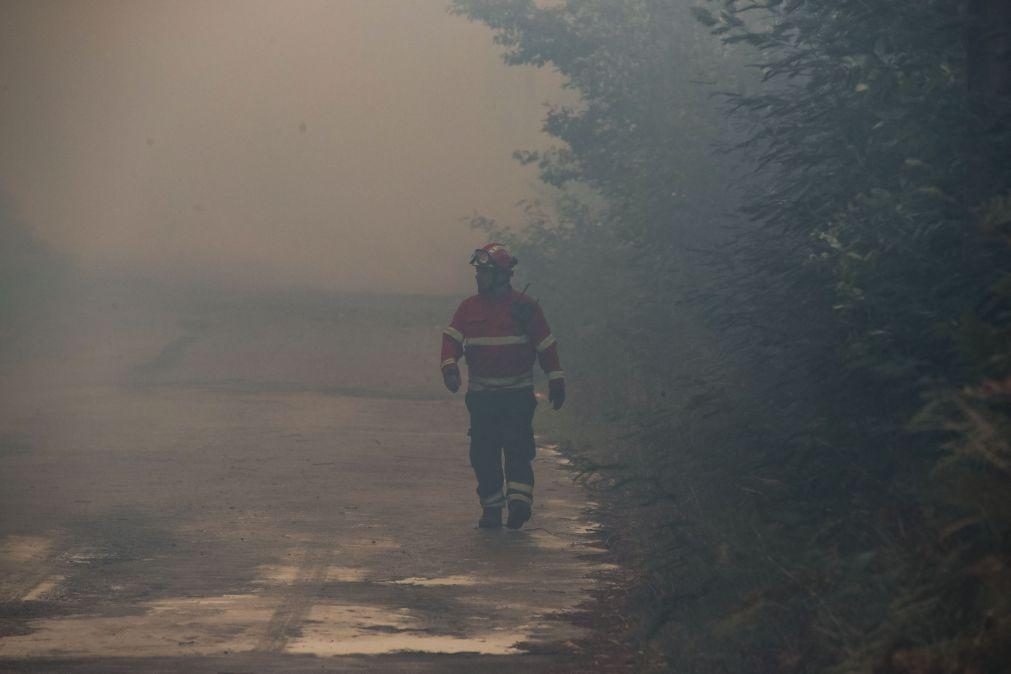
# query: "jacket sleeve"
545,345
452,341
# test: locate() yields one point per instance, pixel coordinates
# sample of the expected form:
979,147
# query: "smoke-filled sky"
334,144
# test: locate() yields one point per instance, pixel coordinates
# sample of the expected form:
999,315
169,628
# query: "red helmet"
493,255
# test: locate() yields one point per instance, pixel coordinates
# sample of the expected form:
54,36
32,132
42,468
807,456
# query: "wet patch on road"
438,582
21,548
300,526
201,625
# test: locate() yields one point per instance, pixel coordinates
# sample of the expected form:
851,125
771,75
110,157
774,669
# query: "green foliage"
876,151
768,286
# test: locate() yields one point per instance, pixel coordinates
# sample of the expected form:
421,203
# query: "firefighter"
501,332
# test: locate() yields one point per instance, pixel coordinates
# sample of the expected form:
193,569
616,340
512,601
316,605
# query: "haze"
336,145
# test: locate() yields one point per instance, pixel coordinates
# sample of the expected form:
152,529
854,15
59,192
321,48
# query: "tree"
777,359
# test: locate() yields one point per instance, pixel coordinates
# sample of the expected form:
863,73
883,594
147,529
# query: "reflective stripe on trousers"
518,491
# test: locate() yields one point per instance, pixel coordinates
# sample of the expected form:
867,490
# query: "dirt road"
155,519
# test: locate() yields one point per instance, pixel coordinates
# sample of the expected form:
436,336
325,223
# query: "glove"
451,378
556,393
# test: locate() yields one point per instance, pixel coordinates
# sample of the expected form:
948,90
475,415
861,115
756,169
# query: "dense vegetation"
781,261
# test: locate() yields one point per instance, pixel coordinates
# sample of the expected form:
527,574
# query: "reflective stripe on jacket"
500,337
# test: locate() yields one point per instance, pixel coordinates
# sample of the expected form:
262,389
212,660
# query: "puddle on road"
586,529
336,629
273,574
233,604
490,644
42,589
25,548
184,626
236,623
344,574
88,556
437,582
551,451
276,574
546,540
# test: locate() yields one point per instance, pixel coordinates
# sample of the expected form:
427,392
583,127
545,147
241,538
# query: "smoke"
338,145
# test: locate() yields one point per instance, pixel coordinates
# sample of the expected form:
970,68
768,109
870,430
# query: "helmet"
493,255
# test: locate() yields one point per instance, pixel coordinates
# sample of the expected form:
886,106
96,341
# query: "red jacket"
500,338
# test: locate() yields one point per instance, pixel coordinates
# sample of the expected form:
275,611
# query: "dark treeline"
32,275
779,264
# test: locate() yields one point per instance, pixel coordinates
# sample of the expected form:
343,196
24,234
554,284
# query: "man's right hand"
451,378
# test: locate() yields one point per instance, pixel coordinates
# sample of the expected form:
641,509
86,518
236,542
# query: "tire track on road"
297,600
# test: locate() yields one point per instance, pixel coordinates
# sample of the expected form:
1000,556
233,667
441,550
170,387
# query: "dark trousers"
501,422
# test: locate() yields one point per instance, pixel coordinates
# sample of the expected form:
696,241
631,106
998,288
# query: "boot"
519,513
491,518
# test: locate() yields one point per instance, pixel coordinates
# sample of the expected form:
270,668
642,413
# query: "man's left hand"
556,393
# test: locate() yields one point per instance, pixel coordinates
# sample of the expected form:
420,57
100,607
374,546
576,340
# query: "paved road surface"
154,525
